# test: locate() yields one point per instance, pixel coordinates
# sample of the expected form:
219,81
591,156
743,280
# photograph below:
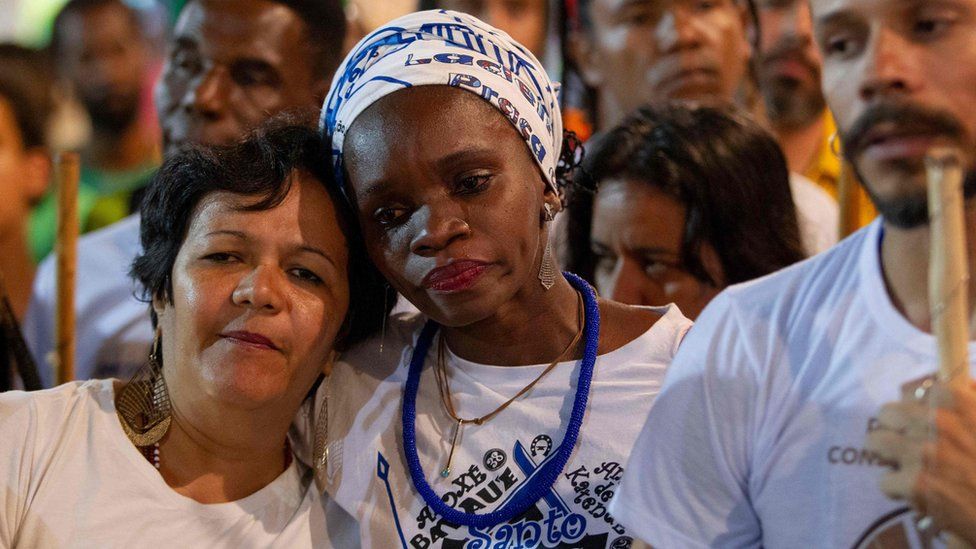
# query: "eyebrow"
836,18
457,157
302,248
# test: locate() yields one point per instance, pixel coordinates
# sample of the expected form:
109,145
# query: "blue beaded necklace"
540,483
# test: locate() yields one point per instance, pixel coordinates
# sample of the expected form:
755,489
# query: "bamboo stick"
948,272
68,174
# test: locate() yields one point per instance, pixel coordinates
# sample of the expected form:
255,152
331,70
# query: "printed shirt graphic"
369,478
757,438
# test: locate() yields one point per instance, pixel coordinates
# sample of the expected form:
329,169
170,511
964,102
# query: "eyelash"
481,180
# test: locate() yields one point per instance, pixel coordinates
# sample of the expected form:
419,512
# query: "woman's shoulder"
622,325
59,401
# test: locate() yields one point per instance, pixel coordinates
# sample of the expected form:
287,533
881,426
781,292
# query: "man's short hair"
26,85
81,6
325,21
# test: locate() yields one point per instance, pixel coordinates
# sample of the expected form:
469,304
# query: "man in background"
103,56
634,52
231,65
789,70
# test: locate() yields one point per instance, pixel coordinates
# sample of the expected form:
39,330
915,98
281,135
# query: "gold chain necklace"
444,385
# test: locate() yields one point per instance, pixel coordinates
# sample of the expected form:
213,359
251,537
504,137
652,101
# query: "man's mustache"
905,118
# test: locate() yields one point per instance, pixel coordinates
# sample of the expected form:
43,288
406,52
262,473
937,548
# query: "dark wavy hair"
728,173
259,166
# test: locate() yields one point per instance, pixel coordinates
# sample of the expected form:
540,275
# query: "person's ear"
583,52
37,175
330,362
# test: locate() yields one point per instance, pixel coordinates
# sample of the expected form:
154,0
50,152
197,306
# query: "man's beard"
113,113
909,210
789,104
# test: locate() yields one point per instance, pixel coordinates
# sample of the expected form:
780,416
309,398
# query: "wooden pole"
948,271
68,173
848,202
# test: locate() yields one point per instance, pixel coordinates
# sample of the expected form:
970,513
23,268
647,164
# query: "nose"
678,29
261,289
208,94
630,285
802,21
886,70
443,223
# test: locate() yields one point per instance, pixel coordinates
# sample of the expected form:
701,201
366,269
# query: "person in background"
758,436
651,51
25,107
526,21
257,275
788,67
230,66
103,55
677,218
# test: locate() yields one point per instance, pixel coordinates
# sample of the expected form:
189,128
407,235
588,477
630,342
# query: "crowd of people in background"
752,166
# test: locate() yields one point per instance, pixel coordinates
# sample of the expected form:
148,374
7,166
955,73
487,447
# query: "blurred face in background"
637,237
525,20
232,65
789,63
23,174
641,51
105,57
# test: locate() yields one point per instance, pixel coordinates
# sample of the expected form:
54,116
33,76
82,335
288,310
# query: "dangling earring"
320,441
143,405
547,271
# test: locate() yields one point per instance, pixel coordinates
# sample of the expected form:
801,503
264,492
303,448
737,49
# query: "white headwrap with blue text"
440,47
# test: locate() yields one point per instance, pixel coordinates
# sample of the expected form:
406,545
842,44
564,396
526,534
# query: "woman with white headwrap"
504,411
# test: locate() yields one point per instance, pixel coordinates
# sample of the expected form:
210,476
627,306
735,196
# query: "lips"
889,141
250,339
456,276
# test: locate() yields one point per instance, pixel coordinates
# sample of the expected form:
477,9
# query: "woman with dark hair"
256,275
688,200
493,416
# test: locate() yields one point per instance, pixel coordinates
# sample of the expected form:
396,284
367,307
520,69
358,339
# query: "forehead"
98,23
225,29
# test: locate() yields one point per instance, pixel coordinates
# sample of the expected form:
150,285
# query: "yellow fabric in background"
825,171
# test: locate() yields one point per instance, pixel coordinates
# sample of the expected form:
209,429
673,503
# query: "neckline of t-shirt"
669,319
877,300
286,486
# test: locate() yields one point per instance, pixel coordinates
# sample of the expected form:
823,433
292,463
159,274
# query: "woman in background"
688,200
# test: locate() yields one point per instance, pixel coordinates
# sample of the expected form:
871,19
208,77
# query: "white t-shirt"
817,214
757,438
113,329
69,477
368,476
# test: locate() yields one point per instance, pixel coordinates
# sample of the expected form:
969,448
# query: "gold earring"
834,143
143,405
550,214
320,441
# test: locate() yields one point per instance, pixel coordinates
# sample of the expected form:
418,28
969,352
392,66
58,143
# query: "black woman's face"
450,201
